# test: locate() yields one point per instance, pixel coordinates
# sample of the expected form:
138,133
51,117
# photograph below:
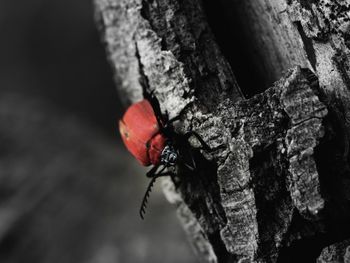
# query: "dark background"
69,191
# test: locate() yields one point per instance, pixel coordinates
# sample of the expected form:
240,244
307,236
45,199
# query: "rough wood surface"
281,34
277,176
336,253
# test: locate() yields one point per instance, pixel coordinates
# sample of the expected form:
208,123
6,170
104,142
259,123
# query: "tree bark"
275,185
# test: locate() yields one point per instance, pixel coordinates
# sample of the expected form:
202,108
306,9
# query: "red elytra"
141,134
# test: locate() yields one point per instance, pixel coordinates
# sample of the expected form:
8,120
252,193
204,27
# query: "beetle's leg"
199,138
163,121
160,123
165,128
193,162
169,122
192,159
192,166
165,174
153,171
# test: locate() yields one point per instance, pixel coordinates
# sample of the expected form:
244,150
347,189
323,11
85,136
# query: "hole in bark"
227,27
306,249
333,168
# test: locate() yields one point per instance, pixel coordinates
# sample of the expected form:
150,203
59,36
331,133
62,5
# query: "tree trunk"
275,185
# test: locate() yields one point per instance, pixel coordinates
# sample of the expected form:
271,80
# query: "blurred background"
69,191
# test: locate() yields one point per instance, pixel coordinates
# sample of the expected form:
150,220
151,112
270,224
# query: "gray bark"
275,187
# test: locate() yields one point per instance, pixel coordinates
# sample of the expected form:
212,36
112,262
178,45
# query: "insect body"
143,137
152,142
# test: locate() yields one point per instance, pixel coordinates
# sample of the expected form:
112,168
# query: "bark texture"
275,187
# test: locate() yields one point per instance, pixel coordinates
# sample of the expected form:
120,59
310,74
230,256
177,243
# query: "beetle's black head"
169,156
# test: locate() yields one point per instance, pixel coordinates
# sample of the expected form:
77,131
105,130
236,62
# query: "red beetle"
142,136
151,142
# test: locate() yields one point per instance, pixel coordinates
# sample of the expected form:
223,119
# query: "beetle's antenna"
149,190
146,196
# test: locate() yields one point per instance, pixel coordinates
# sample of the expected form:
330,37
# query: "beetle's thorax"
169,155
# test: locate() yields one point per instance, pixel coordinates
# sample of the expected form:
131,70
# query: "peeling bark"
277,177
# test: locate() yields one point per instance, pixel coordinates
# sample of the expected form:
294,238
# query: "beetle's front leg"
165,129
153,171
168,173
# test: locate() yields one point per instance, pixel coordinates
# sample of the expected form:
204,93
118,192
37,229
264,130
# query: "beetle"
152,141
